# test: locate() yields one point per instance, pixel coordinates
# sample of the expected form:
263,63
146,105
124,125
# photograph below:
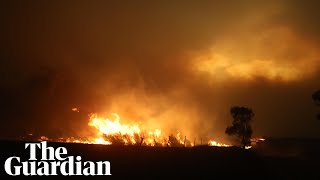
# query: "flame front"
112,131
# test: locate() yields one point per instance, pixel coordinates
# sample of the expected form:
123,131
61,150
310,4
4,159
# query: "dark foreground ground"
272,159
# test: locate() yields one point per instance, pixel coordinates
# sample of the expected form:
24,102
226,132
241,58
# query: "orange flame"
112,131
215,143
75,109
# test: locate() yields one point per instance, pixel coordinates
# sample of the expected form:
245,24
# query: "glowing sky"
170,64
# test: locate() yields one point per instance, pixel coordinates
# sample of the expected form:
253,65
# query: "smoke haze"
168,64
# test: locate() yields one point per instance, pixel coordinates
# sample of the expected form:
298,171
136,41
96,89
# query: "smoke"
170,65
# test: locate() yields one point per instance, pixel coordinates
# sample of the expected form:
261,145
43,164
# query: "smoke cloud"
170,65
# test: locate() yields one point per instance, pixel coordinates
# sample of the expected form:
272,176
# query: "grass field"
282,159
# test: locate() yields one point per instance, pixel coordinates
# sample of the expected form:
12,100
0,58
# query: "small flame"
101,141
75,109
215,143
44,138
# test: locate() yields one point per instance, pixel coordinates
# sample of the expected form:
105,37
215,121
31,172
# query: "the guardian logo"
56,162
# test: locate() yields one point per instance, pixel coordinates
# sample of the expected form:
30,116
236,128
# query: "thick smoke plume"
171,65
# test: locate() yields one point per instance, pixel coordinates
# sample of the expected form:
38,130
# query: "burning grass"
111,131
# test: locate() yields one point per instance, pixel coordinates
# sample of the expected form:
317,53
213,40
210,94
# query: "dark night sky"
170,64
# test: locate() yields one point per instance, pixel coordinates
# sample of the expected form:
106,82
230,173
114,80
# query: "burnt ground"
273,159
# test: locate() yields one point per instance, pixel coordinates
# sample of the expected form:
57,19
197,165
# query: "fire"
215,143
109,127
111,131
75,109
101,141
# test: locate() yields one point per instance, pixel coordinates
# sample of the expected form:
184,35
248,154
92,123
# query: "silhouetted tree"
241,127
316,99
